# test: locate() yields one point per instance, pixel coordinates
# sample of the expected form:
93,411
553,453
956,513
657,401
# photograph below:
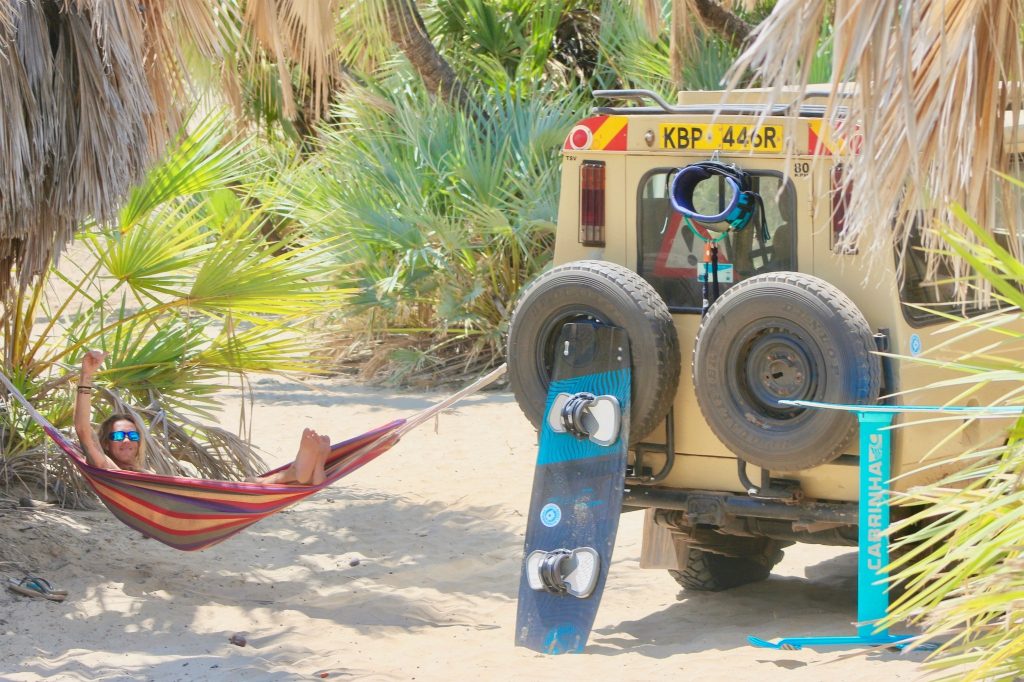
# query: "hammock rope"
191,513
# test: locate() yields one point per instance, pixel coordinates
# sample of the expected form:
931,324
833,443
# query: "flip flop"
32,586
44,584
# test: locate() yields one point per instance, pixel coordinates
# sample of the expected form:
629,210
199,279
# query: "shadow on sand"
365,571
824,603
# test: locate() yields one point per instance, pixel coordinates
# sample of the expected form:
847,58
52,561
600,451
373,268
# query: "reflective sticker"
822,142
724,273
581,137
598,133
611,136
915,344
551,515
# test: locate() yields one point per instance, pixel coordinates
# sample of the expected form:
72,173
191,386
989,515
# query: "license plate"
731,137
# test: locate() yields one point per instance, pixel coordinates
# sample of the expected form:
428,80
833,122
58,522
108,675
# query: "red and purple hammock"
191,513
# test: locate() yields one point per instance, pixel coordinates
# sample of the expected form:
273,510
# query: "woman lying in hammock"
121,446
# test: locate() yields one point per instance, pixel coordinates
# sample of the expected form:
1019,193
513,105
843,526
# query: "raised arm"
83,412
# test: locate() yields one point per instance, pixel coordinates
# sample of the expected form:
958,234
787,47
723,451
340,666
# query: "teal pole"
873,557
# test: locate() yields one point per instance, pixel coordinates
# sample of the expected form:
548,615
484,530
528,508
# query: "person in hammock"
121,446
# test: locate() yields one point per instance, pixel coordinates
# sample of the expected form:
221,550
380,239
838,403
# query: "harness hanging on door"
743,204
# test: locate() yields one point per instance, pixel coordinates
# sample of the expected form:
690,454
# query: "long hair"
108,425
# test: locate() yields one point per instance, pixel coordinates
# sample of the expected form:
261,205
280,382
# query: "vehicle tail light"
592,203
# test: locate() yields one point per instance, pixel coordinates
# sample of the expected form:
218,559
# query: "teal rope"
693,229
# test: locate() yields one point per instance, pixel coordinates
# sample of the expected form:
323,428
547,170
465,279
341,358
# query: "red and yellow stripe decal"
598,133
822,142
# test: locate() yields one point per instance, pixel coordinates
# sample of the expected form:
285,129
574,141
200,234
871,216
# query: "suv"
728,475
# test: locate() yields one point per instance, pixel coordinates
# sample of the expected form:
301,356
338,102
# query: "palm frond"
630,56
300,33
933,107
365,44
963,549
156,259
95,89
261,348
239,277
202,160
90,101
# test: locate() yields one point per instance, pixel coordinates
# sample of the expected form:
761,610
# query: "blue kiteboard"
577,489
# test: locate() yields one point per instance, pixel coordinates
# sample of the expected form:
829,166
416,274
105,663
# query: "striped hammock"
190,513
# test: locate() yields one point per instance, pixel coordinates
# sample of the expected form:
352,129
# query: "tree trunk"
677,42
723,22
410,35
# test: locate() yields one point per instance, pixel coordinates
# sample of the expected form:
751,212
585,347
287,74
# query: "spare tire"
784,336
601,292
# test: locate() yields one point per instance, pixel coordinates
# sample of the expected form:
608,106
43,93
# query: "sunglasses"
118,436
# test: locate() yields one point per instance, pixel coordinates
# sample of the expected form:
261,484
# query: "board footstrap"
586,416
572,572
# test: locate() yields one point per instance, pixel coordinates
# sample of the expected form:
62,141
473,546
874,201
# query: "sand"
408,569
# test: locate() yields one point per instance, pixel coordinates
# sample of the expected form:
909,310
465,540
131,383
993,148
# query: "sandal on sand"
31,586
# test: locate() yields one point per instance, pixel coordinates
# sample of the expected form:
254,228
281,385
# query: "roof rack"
663,107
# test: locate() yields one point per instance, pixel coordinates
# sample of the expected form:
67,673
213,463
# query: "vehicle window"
936,292
672,254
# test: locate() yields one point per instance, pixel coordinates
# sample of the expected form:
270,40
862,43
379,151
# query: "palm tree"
94,90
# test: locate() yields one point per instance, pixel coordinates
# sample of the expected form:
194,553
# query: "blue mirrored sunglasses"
118,436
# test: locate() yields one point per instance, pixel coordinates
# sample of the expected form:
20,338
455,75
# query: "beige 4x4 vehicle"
727,474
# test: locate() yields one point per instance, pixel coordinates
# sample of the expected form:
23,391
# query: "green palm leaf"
203,160
155,259
239,277
964,548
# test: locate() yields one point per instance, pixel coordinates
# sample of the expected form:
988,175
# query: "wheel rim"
773,363
545,356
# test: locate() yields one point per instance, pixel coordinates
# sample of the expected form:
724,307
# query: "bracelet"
85,389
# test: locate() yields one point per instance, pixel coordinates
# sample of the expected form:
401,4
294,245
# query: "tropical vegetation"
388,168
183,292
350,180
444,221
960,546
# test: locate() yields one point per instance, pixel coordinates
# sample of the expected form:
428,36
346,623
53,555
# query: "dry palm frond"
310,28
44,469
936,84
7,12
650,12
79,127
94,90
298,32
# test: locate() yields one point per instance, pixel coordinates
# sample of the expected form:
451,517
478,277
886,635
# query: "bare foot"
305,458
321,459
308,467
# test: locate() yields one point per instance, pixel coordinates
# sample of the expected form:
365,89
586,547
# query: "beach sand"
407,569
